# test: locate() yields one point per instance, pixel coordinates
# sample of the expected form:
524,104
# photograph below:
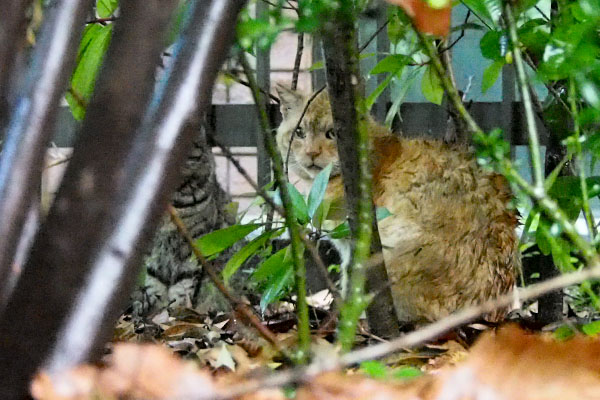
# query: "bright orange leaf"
426,18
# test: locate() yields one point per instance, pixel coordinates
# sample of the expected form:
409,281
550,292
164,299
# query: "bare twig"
237,304
58,162
298,60
102,21
451,91
243,82
534,147
550,88
289,7
417,337
372,37
291,220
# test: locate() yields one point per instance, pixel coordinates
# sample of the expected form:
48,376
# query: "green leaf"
491,74
92,48
468,26
374,369
382,213
591,329
106,8
341,231
217,241
392,63
490,45
407,373
298,204
321,213
569,187
378,90
563,332
270,266
489,11
534,35
431,86
318,189
589,91
248,250
277,286
278,274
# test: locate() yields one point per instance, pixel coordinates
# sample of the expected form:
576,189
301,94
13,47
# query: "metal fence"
236,125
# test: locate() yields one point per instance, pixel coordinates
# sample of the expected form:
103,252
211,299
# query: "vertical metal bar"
31,124
508,99
263,78
382,48
12,37
318,75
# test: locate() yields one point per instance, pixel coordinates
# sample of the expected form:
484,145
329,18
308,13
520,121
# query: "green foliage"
378,370
592,328
491,149
488,11
275,275
563,332
106,8
317,191
219,240
490,45
431,86
491,74
94,44
247,251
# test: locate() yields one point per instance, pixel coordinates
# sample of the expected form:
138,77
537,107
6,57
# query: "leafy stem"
291,220
534,145
587,212
450,89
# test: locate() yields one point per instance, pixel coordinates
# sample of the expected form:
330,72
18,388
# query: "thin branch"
462,34
478,17
451,91
551,208
587,212
542,13
550,88
534,146
243,82
101,21
291,220
298,60
236,303
372,37
417,337
289,7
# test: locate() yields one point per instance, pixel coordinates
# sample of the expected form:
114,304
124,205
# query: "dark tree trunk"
342,70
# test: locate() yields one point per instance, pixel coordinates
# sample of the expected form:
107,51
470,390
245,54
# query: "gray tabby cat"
173,278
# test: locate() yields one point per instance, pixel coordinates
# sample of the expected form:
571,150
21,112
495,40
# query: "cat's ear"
289,100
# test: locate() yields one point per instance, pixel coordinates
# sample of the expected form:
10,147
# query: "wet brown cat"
450,241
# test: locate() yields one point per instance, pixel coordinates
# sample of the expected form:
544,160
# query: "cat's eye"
299,132
330,134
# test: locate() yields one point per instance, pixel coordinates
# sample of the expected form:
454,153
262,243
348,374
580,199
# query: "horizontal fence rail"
237,124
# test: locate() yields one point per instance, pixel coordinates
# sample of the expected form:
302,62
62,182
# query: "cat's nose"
313,153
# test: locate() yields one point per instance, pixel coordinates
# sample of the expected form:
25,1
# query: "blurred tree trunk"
173,278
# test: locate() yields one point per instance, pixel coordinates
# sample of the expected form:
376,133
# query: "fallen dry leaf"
135,371
509,365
